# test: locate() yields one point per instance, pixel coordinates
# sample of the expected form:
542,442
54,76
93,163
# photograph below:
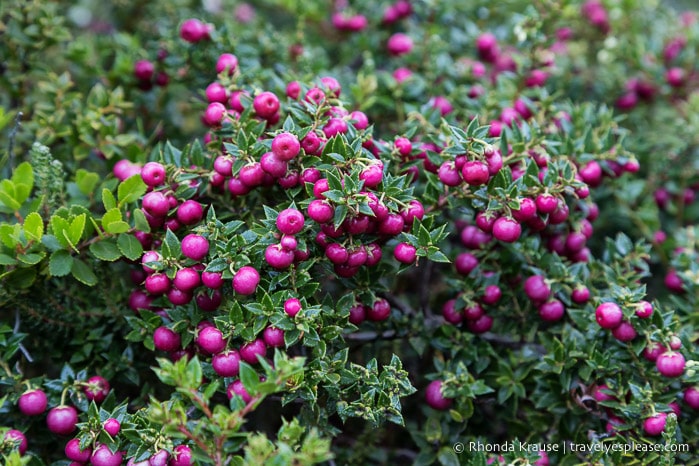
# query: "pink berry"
226,61
245,280
16,437
293,90
237,388
381,310
216,92
186,279
212,280
153,174
210,340
156,204
546,203
670,364
226,363
144,70
272,165
655,425
166,339
551,311
609,315
624,332
475,173
103,456
580,294
193,30
273,337
507,229
357,314
112,426
214,114
278,257
62,419
33,402
399,44
266,105
74,453
209,301
250,351
434,397
290,221
480,325
536,288
449,174
96,389
405,253
292,306
195,247
491,295
190,212
465,263
644,309
181,456
451,314
691,397
286,146
320,211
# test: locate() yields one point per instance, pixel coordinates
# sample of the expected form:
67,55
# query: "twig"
21,346
13,134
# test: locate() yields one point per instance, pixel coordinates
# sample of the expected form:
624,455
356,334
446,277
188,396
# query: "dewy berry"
112,426
195,247
251,350
74,453
266,105
153,174
507,230
190,212
226,363
286,146
166,339
245,280
210,340
290,221
609,315
405,253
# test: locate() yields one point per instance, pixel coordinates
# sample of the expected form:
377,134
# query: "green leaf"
131,189
86,181
76,229
34,226
140,222
23,179
249,378
7,260
32,258
60,263
171,246
7,195
108,200
105,250
130,246
113,215
83,273
59,228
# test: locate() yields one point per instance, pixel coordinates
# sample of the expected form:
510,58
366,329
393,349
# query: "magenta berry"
181,456
644,309
193,30
272,165
691,397
251,350
546,203
214,114
112,426
286,146
166,339
624,332
223,165
399,44
481,325
210,340
103,456
475,172
153,174
96,389
195,247
226,363
157,284
237,388
74,453
450,313
655,425
215,92
552,310
292,306
226,62
434,397
381,310
507,229
491,295
609,315
536,288
580,295
405,253
320,211
273,337
290,221
266,104
144,70
156,204
278,257
186,279
16,437
62,419
190,212
32,402
245,280
670,364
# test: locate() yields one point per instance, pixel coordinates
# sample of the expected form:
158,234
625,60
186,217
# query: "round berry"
103,456
399,44
290,221
166,339
580,295
691,397
536,288
237,388
186,279
655,425
286,146
273,337
624,332
249,351
144,70
62,419
551,311
33,402
190,212
546,203
451,314
153,174
434,397
112,426
210,340
405,253
279,257
16,437
609,315
74,453
226,363
245,280
266,105
195,247
670,364
381,310
292,306
181,456
226,61
156,204
475,172
157,284
96,389
481,325
507,229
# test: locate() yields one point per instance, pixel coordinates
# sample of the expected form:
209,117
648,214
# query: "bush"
408,232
